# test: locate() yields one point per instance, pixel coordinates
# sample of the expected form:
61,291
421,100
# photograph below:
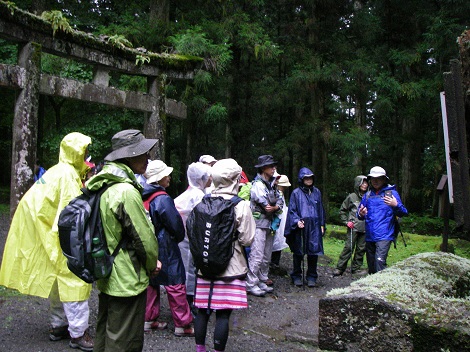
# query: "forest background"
335,85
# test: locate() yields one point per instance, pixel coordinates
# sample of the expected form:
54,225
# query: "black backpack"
212,233
82,237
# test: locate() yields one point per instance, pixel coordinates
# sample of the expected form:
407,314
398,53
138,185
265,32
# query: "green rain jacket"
32,258
350,205
123,214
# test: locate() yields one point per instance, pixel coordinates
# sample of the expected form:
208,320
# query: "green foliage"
119,41
7,292
215,113
58,21
59,66
333,243
203,80
103,123
11,6
8,52
141,59
193,41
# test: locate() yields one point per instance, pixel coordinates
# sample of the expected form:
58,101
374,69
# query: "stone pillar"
24,139
154,122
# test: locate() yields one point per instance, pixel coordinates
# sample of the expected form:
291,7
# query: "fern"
58,21
119,41
141,59
11,6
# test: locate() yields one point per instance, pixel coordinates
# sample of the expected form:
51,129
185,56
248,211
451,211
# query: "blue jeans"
377,253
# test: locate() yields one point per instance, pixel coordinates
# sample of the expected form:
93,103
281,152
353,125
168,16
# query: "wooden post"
458,145
24,139
444,210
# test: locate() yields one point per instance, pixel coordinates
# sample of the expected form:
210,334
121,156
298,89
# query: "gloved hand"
350,224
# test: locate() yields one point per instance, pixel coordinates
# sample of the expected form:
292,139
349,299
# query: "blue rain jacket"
380,217
305,204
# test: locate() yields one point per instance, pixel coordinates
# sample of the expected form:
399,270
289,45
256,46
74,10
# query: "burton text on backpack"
82,237
211,231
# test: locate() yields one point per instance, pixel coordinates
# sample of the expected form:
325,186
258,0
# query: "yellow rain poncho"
32,258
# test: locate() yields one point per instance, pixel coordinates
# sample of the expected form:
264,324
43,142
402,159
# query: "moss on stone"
432,286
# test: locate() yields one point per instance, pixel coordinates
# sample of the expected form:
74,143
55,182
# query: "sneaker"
185,331
297,282
255,291
60,333
85,342
311,282
155,325
337,272
265,287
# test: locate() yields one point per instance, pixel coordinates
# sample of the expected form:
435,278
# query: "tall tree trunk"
159,12
321,131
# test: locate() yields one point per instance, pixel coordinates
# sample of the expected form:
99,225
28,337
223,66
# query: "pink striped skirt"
225,294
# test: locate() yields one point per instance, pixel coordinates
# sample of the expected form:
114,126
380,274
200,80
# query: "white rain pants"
73,314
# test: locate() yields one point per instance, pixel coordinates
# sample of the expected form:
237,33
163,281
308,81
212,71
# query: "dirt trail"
286,320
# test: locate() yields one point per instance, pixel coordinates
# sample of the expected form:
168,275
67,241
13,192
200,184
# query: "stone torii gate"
34,36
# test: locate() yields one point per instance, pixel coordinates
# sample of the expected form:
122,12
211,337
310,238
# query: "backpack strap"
236,199
152,196
122,243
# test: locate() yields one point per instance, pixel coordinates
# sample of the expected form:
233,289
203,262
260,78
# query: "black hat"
265,160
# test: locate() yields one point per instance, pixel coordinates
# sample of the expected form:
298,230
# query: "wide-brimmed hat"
128,144
283,181
265,160
207,159
156,170
377,171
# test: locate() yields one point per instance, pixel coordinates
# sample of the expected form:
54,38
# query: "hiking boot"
155,325
185,331
255,291
297,282
265,287
60,333
84,342
337,272
311,282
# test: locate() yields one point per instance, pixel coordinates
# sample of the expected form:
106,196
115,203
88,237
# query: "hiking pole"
403,237
302,233
352,250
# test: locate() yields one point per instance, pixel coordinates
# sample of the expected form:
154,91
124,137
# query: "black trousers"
312,261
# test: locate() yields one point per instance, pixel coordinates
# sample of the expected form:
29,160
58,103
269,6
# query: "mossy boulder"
419,304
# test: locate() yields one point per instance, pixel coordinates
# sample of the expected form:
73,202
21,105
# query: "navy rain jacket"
169,230
305,204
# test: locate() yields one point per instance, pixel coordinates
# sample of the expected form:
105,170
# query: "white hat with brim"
156,170
128,144
207,159
377,171
283,181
